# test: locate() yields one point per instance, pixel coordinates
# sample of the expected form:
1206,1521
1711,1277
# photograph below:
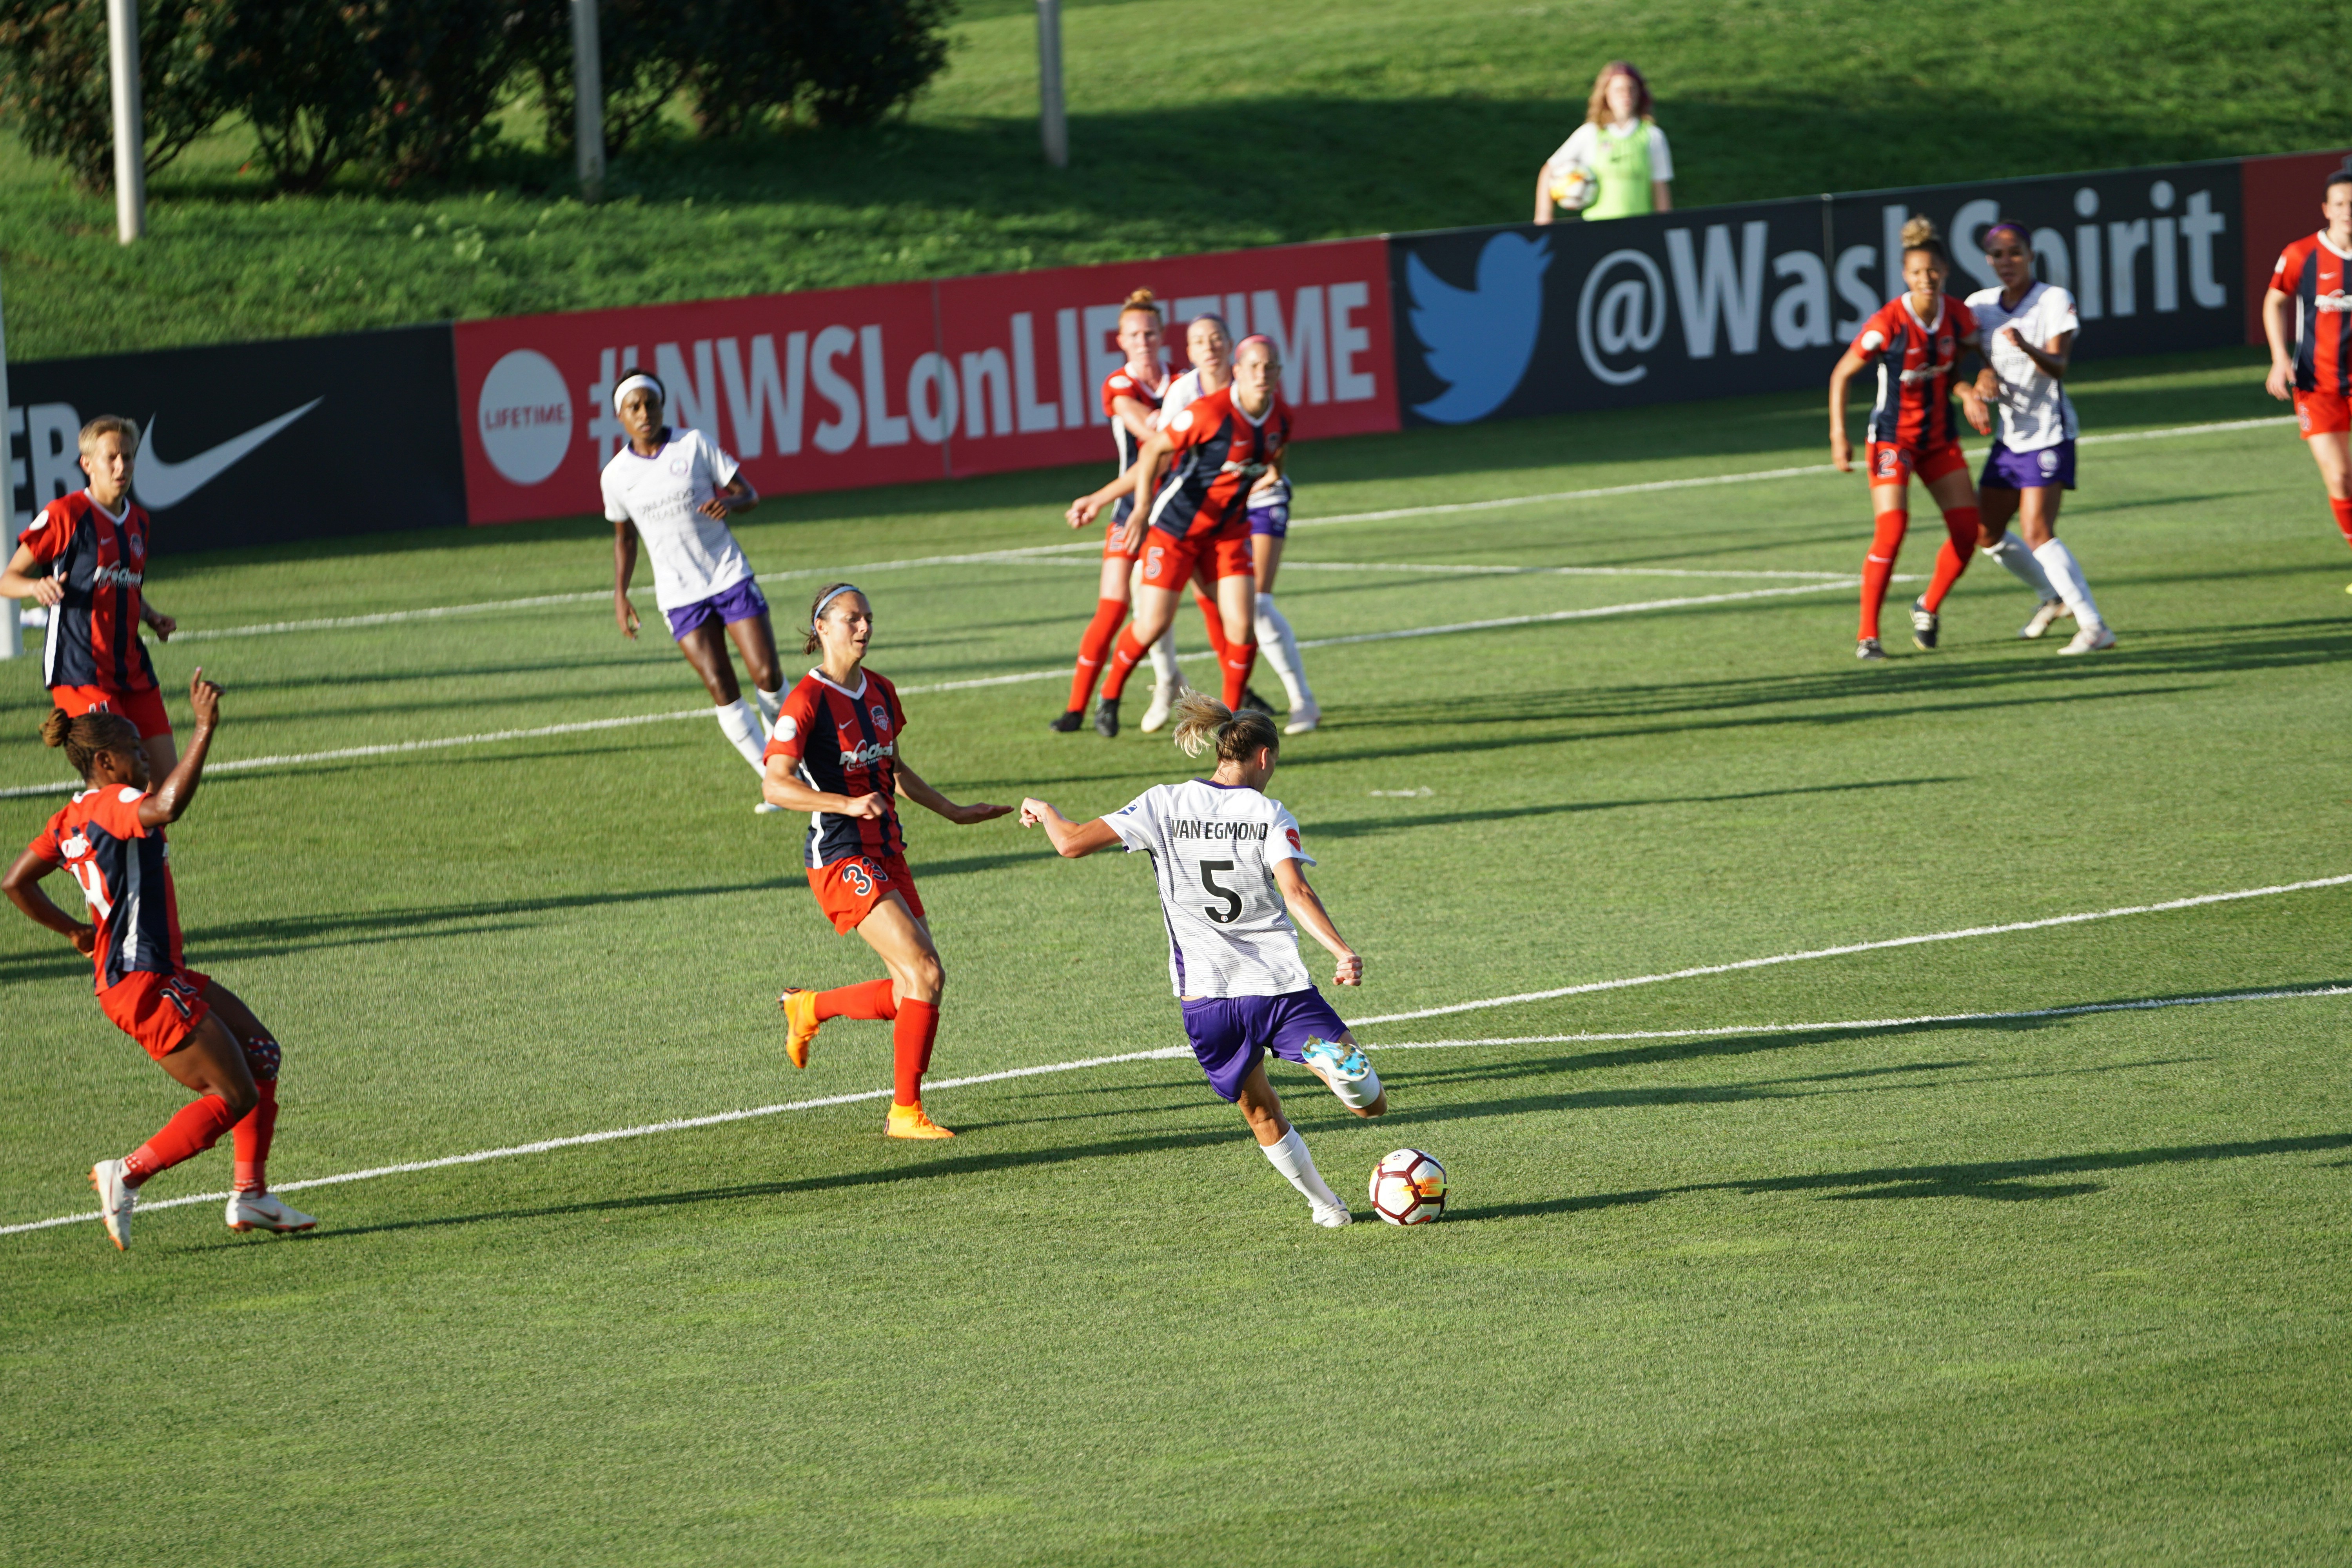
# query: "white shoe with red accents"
2090,639
2045,614
116,1198
264,1211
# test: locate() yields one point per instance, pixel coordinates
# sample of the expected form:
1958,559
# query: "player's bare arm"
1308,912
1087,508
165,804
782,787
735,495
23,886
20,583
911,785
1848,366
2278,312
624,566
1071,840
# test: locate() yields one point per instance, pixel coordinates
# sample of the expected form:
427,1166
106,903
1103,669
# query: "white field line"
1176,1053
1060,672
1035,552
1963,934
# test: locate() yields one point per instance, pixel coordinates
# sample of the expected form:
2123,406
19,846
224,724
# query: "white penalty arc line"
1176,1053
1965,934
1060,672
1045,553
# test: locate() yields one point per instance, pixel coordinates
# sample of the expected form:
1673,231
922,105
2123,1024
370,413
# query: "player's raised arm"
1071,840
1308,910
169,801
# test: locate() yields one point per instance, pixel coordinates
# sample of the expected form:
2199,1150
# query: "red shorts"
849,889
1111,551
2322,413
1892,464
158,1010
1168,563
143,709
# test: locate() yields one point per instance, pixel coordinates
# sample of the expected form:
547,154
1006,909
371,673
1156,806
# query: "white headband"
818,613
631,384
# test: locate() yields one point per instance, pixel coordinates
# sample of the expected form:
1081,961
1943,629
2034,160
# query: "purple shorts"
727,606
1274,522
2008,470
1231,1035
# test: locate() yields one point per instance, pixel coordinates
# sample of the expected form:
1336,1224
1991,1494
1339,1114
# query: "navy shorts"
1231,1035
2008,470
727,606
1274,522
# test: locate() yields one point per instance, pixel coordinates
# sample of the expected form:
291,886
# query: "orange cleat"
909,1121
800,1023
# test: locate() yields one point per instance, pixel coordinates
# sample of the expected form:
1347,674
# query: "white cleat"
2045,614
1303,718
1155,718
116,1199
1332,1218
2090,639
263,1211
766,808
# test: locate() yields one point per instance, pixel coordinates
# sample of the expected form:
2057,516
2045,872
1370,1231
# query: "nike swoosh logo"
159,484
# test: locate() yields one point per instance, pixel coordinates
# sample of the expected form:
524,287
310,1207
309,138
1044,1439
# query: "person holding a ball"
1616,163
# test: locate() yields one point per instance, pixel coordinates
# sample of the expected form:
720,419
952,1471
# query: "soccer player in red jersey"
1221,446
110,836
2313,361
1130,397
835,754
85,557
1915,341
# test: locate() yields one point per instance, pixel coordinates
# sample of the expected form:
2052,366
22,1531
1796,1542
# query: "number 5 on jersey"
1233,901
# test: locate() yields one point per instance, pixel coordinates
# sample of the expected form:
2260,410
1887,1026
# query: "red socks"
1238,660
1093,648
1215,619
869,999
2343,516
251,1138
1886,543
910,1041
196,1127
1964,526
1123,660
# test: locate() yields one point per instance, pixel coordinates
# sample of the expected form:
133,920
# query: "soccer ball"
1573,186
1409,1188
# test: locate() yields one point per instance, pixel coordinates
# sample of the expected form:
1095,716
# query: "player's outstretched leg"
1285,1150
804,1010
210,1063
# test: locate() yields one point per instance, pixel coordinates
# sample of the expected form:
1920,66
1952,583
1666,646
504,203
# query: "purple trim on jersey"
1274,522
2008,470
740,603
1231,1035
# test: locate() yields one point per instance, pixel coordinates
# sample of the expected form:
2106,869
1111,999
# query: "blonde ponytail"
1204,723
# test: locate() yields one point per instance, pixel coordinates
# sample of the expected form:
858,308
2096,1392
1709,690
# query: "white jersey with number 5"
1213,848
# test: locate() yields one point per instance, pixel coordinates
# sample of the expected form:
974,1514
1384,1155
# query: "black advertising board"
258,443
1498,323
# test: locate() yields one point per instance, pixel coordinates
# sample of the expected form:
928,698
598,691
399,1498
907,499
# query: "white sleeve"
1578,148
2061,312
1138,822
723,467
1282,842
1662,162
615,508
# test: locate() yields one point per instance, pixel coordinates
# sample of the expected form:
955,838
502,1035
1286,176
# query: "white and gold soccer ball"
1573,186
1409,1188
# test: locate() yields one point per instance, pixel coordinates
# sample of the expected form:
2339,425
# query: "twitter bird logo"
1478,341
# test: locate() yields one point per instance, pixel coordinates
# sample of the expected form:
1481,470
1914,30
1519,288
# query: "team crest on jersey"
880,715
136,546
678,466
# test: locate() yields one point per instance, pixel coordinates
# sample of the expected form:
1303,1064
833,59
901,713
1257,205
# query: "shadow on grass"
1356,827
1998,1181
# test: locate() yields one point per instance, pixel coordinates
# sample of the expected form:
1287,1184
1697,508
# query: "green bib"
1623,163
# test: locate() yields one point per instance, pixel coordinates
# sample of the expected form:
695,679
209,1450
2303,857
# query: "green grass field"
2055,1288
1356,117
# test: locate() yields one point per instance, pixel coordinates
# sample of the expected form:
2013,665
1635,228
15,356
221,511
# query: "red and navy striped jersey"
102,560
1219,454
1915,362
1123,382
844,742
2312,271
125,871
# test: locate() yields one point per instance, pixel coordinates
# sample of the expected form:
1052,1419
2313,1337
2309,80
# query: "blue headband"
818,613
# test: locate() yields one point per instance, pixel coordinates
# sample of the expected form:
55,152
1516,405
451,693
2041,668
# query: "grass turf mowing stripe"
1036,551
1963,934
1175,1053
1060,672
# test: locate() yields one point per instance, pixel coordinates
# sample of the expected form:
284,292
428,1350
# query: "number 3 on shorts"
854,873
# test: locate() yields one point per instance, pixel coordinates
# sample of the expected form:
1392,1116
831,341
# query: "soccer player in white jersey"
1228,861
673,488
2028,332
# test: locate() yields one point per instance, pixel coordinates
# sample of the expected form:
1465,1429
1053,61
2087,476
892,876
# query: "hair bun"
54,727
1919,232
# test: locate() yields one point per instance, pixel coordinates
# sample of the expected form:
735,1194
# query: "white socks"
740,720
770,704
1291,1158
1279,645
2066,577
1164,672
2010,551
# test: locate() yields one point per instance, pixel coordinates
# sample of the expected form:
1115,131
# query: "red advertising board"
848,388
